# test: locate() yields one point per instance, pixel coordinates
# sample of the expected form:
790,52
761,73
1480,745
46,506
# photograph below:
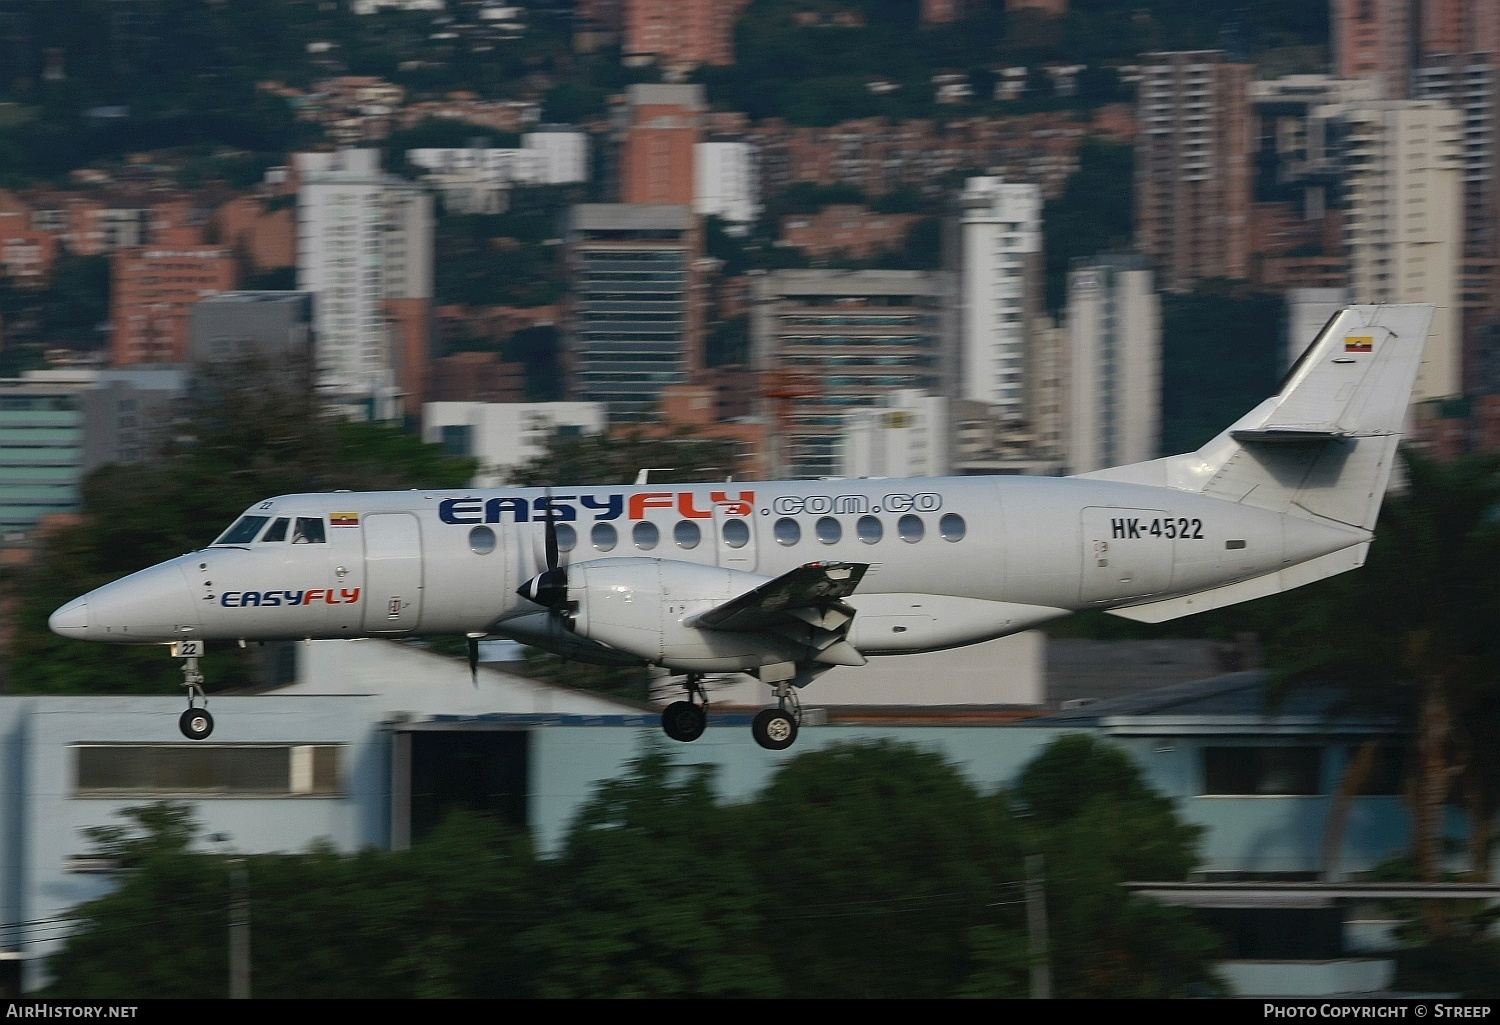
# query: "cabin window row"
735,533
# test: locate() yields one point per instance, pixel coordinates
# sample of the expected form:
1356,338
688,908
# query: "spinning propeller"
550,587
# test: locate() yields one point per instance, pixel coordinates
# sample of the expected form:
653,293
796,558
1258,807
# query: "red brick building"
476,377
151,296
851,231
681,32
665,122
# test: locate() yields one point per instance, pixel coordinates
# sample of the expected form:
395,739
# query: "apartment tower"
1001,239
1193,176
1403,173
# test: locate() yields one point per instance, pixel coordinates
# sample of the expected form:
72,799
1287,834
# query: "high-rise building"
853,338
364,238
664,123
152,295
725,184
906,435
1381,39
56,426
1470,83
680,32
1373,39
1192,171
1457,26
999,290
636,321
1403,167
1114,335
276,326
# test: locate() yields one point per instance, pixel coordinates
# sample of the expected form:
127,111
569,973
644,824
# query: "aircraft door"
1126,552
393,572
734,528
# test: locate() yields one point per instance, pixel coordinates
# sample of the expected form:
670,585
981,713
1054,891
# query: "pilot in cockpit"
309,530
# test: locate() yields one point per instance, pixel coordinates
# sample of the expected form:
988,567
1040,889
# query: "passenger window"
788,531
686,534
952,527
244,531
869,529
277,531
567,537
309,531
736,533
604,537
828,530
910,528
645,534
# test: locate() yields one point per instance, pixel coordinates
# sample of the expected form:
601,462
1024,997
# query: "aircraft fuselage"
951,560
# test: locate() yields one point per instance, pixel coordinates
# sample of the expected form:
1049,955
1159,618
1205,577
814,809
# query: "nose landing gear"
195,723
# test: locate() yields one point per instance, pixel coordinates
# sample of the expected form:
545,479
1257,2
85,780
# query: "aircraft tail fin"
1325,444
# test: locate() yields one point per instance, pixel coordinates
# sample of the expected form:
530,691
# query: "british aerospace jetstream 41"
787,579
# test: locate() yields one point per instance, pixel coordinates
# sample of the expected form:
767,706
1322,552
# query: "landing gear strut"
195,723
685,720
775,729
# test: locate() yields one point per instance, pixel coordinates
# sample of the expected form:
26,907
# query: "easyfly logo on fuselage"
566,508
275,599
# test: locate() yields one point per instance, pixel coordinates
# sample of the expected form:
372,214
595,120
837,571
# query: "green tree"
1414,631
654,895
249,432
1098,825
440,920
877,863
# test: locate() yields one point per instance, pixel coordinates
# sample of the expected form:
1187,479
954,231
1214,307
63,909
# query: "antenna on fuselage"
644,474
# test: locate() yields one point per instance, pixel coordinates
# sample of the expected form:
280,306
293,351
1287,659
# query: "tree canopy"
869,869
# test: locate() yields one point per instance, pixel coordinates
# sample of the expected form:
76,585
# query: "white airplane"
787,579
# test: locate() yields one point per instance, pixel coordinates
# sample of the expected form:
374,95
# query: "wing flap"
810,595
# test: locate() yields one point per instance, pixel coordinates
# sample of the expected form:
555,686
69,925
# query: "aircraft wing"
809,595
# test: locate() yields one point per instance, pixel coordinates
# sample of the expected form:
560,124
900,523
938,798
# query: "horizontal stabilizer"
1298,434
818,587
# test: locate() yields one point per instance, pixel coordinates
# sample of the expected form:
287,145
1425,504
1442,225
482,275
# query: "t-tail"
1321,449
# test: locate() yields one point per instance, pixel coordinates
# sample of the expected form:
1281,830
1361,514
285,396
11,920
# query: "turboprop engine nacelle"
646,607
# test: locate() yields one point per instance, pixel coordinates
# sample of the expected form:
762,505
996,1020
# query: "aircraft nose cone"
72,620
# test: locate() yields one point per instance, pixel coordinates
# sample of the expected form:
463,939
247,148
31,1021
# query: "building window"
198,770
1263,771
457,439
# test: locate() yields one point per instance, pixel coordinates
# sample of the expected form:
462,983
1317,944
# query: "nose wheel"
686,720
195,723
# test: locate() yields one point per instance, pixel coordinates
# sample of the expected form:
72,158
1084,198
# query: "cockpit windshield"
244,531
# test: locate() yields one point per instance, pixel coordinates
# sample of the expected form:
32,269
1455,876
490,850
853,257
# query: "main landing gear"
686,720
195,723
774,729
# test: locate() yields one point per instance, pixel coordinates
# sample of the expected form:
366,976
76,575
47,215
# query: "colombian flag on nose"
344,519
1359,343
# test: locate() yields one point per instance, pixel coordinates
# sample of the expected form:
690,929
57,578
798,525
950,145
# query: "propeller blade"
551,535
474,660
